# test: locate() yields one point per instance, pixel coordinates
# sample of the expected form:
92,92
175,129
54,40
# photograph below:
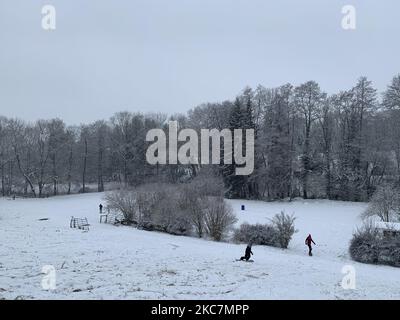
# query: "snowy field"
111,262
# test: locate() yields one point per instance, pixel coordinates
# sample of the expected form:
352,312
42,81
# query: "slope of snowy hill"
111,262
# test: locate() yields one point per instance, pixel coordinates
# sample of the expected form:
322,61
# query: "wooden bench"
79,223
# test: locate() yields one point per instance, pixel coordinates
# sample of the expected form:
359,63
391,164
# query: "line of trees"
308,144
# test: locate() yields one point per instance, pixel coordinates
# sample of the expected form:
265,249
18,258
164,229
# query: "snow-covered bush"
180,225
259,234
389,252
218,218
167,214
123,201
158,209
277,234
203,204
147,197
175,209
385,203
364,244
193,206
369,245
284,225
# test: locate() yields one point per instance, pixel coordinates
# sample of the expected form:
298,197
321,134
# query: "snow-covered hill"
111,262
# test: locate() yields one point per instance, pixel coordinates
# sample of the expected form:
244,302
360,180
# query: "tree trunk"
69,176
40,186
3,189
10,178
292,152
100,182
28,181
55,187
84,167
125,173
328,176
306,162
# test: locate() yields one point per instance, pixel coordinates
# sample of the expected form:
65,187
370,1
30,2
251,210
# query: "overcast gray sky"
169,56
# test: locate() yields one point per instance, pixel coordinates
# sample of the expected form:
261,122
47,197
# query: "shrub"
147,197
368,245
175,209
390,252
218,218
277,234
167,214
180,226
364,244
385,203
123,201
193,206
259,234
284,226
158,205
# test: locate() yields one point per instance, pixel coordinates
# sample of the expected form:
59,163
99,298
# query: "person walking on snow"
308,242
247,253
101,208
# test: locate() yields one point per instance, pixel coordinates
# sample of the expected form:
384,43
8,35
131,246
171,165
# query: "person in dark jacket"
101,208
308,242
247,253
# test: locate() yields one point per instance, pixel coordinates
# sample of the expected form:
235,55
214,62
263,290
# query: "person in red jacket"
308,242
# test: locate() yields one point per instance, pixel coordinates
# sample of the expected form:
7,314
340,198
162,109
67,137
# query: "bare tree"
327,126
20,143
123,201
308,100
193,204
385,203
219,218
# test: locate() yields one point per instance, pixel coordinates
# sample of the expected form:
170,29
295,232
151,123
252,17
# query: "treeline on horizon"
307,144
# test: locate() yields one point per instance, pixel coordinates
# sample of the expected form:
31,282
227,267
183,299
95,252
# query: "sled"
250,260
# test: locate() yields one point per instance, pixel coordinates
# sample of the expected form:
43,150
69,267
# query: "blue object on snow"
242,207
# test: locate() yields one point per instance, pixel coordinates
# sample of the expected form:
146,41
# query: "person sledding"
308,242
247,253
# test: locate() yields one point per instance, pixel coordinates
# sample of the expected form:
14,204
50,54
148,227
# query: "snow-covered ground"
111,262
